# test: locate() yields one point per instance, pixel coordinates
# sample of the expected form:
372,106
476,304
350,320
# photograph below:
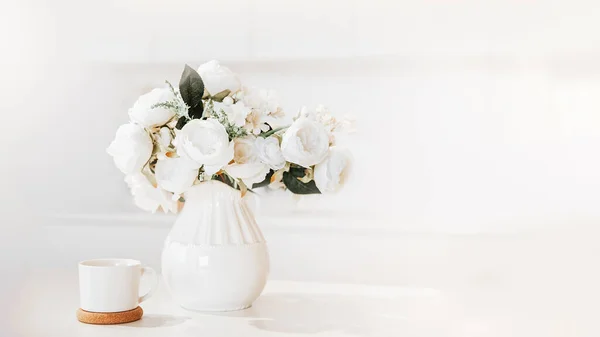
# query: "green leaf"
297,187
297,171
225,179
266,181
273,131
220,96
191,88
181,122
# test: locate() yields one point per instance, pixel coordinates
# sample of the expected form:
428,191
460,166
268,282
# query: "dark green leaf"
191,88
297,171
297,187
266,181
225,180
181,122
220,96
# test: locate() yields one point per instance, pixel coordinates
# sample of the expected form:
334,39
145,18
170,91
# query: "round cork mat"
109,317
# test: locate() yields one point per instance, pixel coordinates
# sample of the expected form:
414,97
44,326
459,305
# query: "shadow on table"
314,313
157,321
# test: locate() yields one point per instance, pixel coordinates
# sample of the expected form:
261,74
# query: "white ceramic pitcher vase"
215,257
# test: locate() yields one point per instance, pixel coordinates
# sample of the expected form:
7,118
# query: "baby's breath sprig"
171,105
233,131
173,90
177,104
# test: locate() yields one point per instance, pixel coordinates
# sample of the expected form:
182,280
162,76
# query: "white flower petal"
305,142
218,78
206,143
245,150
211,169
148,197
261,100
269,152
164,137
249,173
225,157
174,175
331,174
236,113
143,113
131,148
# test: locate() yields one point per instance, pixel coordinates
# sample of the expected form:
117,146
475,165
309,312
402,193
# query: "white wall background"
473,116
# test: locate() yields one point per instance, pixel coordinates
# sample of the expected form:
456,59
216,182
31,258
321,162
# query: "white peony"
148,197
131,148
143,113
269,152
247,165
236,113
305,142
330,174
218,78
175,174
205,142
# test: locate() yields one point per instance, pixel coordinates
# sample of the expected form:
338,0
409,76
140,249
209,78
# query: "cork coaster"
109,317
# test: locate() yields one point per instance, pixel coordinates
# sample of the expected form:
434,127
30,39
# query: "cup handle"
148,270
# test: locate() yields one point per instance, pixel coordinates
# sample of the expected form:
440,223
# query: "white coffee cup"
112,285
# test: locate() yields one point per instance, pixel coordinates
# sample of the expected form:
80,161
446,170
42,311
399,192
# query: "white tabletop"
48,300
530,285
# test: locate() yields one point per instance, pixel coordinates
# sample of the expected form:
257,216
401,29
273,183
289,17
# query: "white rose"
305,142
269,152
131,148
175,174
148,197
217,78
205,142
143,113
236,113
247,166
330,174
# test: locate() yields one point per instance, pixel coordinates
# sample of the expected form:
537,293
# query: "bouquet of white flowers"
213,128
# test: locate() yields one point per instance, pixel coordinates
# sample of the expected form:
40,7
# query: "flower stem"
268,133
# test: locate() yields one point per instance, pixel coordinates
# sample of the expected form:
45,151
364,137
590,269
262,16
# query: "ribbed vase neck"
215,214
210,189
